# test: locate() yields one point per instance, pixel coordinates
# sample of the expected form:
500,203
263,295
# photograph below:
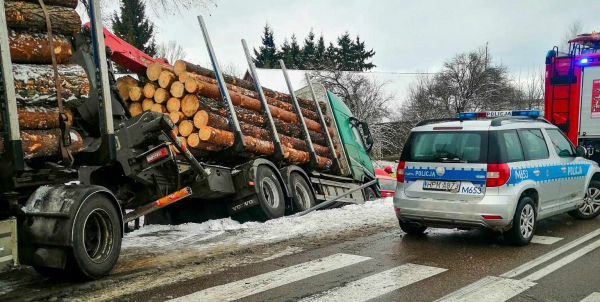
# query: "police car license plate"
441,185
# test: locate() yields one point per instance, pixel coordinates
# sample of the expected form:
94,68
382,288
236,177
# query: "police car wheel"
524,223
412,228
591,203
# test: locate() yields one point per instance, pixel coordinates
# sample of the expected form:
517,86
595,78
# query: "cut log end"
200,119
177,89
179,67
147,104
158,108
165,79
190,105
191,86
173,104
193,140
186,128
135,93
176,117
135,108
149,90
153,71
161,95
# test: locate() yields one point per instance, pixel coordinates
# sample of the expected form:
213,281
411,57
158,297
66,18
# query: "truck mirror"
367,138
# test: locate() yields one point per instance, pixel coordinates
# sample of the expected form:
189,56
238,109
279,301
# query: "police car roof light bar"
495,114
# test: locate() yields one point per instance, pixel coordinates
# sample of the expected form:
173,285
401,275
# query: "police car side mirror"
580,151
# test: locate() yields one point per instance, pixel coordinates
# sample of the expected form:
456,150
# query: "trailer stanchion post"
278,153
239,144
335,164
12,160
107,128
313,162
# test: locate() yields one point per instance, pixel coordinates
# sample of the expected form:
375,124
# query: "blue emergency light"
584,61
494,114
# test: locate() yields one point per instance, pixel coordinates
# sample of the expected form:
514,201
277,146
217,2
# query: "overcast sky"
408,36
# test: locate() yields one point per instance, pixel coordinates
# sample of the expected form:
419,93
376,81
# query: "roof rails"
437,120
498,121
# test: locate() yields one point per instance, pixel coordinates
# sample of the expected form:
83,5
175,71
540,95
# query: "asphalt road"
450,265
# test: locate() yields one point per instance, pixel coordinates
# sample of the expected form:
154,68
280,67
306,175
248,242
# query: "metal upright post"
309,146
12,159
239,144
278,154
105,101
335,167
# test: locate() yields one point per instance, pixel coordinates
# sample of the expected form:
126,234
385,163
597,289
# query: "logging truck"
69,190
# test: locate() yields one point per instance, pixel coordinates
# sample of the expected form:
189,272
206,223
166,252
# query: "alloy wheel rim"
591,202
527,221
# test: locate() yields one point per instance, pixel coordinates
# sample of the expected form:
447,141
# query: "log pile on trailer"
190,95
35,85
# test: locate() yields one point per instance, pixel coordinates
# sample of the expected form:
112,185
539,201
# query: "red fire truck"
572,87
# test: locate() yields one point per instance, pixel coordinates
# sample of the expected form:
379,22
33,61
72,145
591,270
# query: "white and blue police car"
503,173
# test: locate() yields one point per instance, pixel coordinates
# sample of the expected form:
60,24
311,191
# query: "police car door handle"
563,169
536,172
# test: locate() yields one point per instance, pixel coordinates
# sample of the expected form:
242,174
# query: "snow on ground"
164,238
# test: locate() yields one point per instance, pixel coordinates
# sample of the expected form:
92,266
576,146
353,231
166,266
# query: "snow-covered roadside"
160,238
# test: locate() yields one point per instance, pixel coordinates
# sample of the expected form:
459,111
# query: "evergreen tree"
266,56
330,56
344,56
286,53
320,53
295,54
309,52
361,55
133,26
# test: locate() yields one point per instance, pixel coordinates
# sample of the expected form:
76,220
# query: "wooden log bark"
257,119
34,85
63,3
34,48
257,146
30,16
135,108
222,123
181,66
40,118
45,143
193,83
212,91
124,84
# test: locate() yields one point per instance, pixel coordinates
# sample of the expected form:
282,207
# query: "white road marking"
562,262
261,283
488,289
6,258
545,239
595,297
379,284
537,261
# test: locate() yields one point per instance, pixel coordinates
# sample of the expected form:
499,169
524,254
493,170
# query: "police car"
504,173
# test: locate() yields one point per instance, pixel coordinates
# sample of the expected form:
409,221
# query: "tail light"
497,175
400,171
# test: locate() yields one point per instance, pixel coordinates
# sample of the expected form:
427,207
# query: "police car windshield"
446,146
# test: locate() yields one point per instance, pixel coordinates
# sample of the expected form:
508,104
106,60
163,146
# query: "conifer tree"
296,54
266,56
320,53
344,56
286,53
361,55
309,58
132,25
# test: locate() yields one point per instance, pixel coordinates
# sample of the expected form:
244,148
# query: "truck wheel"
271,202
591,203
369,194
96,237
302,196
523,224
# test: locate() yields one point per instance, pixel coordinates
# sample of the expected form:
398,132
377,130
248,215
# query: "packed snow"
164,238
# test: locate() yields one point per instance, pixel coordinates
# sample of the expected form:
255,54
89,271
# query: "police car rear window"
446,146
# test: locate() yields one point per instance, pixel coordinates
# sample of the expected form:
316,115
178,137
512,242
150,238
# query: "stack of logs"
190,95
34,79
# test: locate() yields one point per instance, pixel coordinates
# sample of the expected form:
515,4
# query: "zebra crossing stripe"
379,284
490,288
595,297
267,281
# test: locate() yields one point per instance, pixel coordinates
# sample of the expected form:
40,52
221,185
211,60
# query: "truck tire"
523,224
271,201
96,238
369,194
302,196
590,208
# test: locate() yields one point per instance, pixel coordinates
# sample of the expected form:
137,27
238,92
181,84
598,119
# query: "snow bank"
228,231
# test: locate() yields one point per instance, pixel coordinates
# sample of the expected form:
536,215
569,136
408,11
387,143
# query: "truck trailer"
68,218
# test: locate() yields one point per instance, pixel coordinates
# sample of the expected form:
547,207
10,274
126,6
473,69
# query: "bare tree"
367,99
530,91
574,29
171,51
163,7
